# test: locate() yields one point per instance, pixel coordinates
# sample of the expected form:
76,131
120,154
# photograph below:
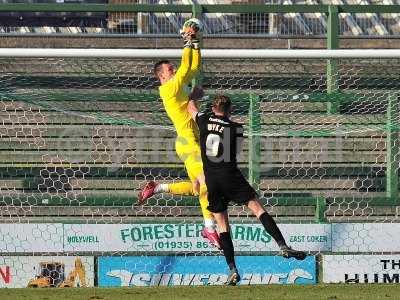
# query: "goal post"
83,130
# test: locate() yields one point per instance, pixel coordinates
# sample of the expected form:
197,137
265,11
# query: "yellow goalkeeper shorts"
188,151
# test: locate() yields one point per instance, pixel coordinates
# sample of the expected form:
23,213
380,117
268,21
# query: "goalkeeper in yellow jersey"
175,93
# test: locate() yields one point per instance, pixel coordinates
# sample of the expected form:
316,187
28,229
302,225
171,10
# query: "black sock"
227,246
271,227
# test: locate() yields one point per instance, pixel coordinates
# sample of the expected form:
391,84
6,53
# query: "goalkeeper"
174,93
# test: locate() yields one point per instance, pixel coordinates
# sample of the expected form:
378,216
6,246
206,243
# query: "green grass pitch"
265,292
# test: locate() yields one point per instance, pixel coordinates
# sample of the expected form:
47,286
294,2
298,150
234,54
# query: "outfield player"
219,141
174,93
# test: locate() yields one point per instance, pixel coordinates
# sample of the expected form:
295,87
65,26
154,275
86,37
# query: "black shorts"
227,186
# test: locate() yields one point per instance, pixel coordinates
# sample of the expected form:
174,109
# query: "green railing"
204,8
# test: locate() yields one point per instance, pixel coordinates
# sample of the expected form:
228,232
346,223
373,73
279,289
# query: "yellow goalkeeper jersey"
174,94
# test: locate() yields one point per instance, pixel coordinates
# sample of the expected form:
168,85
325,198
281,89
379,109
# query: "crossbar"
206,53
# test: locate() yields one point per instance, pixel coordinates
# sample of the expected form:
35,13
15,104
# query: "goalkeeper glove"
190,41
187,39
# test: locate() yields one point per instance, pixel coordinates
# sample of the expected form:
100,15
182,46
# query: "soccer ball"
192,26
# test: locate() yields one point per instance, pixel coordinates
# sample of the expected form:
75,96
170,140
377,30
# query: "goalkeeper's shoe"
233,277
146,192
212,237
288,252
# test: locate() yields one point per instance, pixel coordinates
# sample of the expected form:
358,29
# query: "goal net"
82,131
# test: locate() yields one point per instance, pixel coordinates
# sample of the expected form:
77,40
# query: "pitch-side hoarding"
202,270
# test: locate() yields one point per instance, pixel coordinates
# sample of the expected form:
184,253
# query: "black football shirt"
220,140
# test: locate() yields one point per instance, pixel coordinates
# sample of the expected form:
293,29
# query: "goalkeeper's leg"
184,188
198,187
191,156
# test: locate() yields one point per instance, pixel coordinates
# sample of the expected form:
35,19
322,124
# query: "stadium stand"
289,24
36,173
45,23
61,156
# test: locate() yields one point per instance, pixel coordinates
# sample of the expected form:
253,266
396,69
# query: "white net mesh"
80,137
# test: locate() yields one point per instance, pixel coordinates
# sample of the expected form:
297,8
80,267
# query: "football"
192,26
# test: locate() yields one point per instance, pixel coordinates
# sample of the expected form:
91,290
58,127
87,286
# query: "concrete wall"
154,43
